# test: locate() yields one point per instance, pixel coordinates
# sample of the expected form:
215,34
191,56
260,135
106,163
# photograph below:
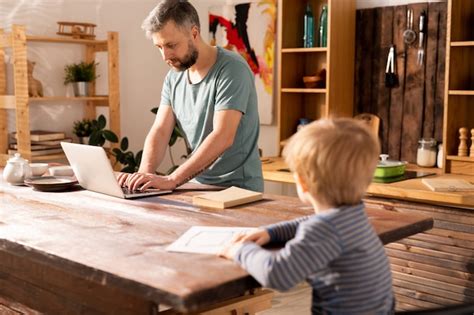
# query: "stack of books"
42,142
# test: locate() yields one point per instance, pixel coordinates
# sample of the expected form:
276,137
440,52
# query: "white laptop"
94,172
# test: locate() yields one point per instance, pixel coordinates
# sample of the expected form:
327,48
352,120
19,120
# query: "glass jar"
426,154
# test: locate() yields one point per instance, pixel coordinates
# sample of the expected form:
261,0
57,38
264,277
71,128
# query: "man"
210,95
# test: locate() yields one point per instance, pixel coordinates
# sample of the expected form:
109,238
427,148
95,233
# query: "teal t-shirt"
229,84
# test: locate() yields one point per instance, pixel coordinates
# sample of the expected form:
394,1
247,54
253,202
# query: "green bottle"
308,36
323,27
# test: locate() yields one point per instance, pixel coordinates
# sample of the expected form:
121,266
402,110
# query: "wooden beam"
22,113
3,100
114,82
90,112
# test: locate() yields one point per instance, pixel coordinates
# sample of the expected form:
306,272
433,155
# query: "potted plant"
80,74
92,131
83,129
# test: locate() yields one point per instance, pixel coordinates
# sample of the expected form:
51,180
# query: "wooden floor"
295,301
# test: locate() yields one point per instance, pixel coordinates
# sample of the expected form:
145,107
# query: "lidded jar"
16,170
426,153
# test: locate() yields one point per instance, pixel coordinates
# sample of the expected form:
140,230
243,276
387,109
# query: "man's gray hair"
180,12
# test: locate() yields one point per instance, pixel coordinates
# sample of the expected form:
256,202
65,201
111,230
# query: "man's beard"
189,60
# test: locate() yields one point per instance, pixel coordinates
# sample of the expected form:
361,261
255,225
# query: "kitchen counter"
275,169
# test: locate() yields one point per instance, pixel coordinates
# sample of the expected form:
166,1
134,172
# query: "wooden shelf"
294,62
68,98
458,106
461,92
302,90
462,44
21,102
460,158
304,50
69,40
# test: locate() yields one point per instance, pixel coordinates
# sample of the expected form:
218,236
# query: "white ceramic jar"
16,170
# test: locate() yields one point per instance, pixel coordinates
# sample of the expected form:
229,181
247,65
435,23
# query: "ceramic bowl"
63,170
38,169
313,81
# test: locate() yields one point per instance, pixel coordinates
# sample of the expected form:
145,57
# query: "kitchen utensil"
391,78
409,35
389,168
421,39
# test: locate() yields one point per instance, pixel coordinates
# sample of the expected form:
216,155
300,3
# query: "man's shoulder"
231,59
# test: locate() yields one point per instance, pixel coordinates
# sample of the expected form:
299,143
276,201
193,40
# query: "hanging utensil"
391,77
421,41
409,35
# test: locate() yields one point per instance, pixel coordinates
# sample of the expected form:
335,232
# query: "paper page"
205,239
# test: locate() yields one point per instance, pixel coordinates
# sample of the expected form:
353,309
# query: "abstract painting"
249,29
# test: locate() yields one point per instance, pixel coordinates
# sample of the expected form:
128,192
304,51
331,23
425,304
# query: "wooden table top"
122,243
274,169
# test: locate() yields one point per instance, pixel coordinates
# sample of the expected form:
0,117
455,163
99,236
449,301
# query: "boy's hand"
229,250
260,237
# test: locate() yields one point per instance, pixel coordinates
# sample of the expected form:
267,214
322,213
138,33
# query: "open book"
447,184
205,239
232,196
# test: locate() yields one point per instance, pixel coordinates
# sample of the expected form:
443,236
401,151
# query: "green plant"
127,158
82,128
80,72
94,129
99,135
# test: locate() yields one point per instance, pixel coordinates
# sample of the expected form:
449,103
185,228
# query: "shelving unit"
294,101
459,90
20,101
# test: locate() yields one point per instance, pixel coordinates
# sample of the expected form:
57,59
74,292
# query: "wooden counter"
274,169
430,269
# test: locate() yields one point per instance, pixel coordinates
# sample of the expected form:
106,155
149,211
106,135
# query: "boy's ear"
301,182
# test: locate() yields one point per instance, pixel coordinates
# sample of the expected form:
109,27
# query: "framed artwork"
249,29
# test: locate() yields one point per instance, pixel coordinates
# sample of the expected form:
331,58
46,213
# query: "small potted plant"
80,74
83,129
93,132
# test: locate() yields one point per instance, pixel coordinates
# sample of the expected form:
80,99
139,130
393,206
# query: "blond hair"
336,158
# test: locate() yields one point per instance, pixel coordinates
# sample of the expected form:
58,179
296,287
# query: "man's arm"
155,145
157,140
225,126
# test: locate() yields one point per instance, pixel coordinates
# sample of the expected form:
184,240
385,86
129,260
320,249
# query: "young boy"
335,250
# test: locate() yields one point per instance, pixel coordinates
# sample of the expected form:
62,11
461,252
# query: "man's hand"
143,181
260,237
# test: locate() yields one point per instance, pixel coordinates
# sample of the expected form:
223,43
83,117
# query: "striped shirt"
337,252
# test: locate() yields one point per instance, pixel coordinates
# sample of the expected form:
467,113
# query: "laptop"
94,172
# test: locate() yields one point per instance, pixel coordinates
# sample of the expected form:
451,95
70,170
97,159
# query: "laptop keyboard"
127,191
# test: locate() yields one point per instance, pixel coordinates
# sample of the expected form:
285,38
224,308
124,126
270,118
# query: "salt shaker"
426,154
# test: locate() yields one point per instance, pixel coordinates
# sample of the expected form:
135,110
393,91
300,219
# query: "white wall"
141,69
